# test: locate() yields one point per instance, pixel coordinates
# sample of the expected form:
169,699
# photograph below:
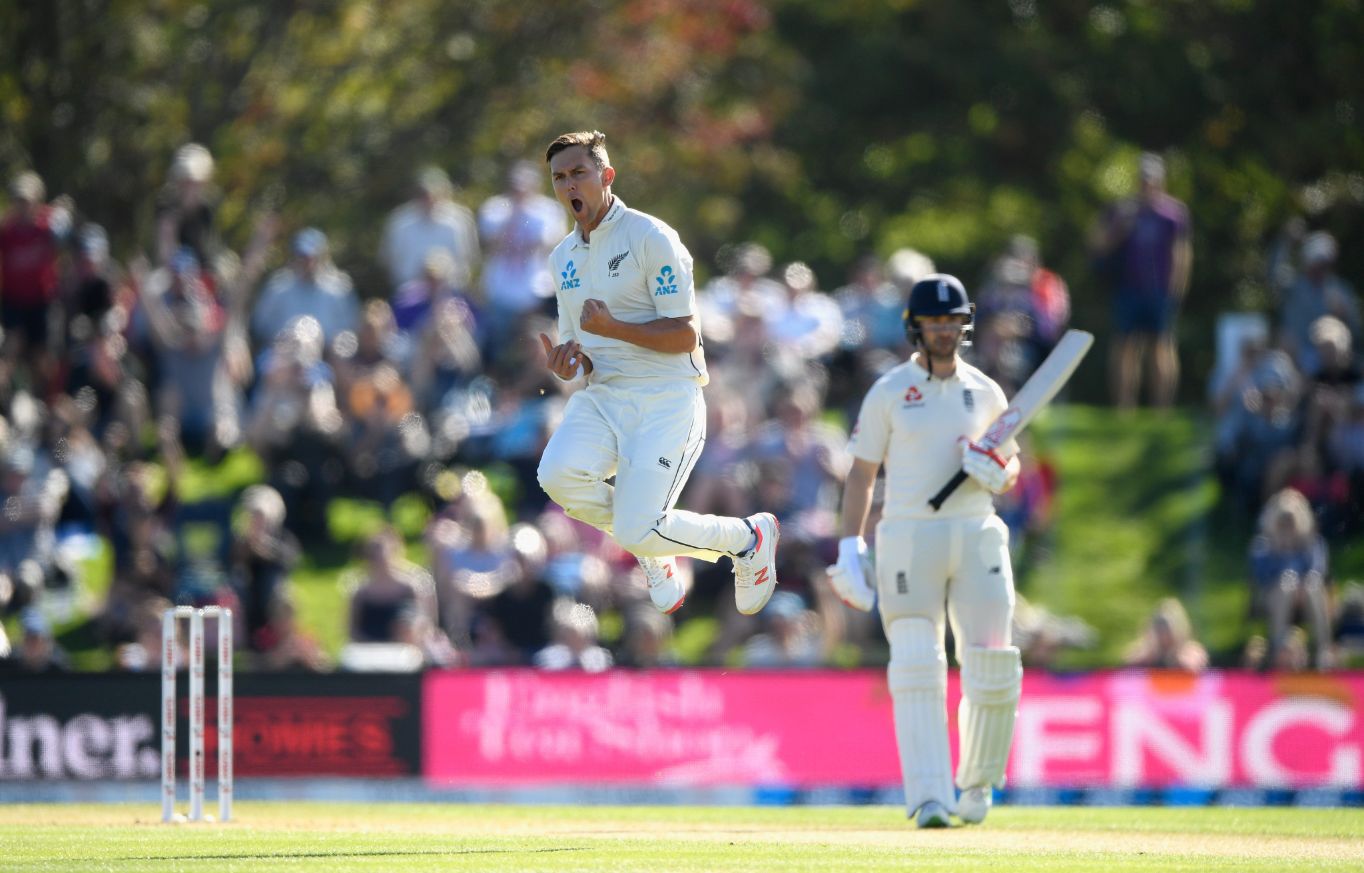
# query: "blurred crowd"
115,377
1288,401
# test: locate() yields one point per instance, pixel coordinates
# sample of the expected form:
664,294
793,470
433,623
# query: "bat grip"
937,500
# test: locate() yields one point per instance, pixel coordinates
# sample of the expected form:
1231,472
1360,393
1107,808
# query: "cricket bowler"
628,325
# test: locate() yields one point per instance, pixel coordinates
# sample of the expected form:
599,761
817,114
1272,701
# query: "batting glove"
986,466
849,576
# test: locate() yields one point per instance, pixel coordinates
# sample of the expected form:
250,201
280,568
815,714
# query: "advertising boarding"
807,729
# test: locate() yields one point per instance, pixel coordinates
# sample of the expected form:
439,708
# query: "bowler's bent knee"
549,477
559,478
641,538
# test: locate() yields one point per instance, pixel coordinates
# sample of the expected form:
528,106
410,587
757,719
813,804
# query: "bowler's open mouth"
577,204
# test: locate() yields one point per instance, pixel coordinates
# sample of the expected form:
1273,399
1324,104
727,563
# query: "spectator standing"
812,453
294,425
93,286
100,298
1023,310
1317,291
310,285
744,287
873,340
871,307
445,360
1144,244
31,234
385,435
187,326
187,208
807,322
430,221
32,493
519,228
1263,429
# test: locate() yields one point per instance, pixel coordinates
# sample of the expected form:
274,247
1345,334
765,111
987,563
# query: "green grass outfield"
412,838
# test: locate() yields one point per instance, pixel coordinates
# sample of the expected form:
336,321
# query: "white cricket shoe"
665,587
932,815
974,803
755,573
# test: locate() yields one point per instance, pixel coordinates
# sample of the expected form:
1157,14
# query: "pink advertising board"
714,728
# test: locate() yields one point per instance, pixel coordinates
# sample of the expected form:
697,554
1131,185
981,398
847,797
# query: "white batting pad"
918,688
991,680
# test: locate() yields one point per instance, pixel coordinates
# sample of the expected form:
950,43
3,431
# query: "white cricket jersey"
912,425
638,266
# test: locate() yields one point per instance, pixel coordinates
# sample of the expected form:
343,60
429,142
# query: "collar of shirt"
612,216
921,376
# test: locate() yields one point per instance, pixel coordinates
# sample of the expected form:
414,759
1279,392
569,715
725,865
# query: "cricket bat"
1036,393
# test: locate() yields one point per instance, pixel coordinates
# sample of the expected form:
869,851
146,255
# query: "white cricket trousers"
647,433
953,567
928,570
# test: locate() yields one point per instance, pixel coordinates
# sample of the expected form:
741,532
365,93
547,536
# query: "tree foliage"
822,129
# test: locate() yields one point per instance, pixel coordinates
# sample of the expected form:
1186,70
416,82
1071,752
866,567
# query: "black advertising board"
105,726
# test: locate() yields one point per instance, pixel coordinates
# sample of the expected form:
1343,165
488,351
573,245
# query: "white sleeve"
871,435
667,266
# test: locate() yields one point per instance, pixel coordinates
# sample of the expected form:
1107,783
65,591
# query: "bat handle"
946,491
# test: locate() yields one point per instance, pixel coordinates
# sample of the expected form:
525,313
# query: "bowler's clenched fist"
564,359
596,318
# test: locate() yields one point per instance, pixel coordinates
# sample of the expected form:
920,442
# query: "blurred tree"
822,129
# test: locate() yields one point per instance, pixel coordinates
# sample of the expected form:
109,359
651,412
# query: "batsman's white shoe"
974,803
665,588
755,573
932,815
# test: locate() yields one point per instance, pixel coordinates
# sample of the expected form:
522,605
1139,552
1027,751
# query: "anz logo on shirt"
570,277
667,282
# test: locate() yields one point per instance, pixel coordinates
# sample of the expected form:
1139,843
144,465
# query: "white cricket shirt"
638,266
912,425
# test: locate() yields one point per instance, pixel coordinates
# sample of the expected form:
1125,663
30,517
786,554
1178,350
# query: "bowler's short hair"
593,140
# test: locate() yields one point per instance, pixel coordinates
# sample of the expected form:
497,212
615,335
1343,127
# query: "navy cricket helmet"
938,294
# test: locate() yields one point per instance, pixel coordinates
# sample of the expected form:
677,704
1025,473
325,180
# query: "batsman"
921,421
